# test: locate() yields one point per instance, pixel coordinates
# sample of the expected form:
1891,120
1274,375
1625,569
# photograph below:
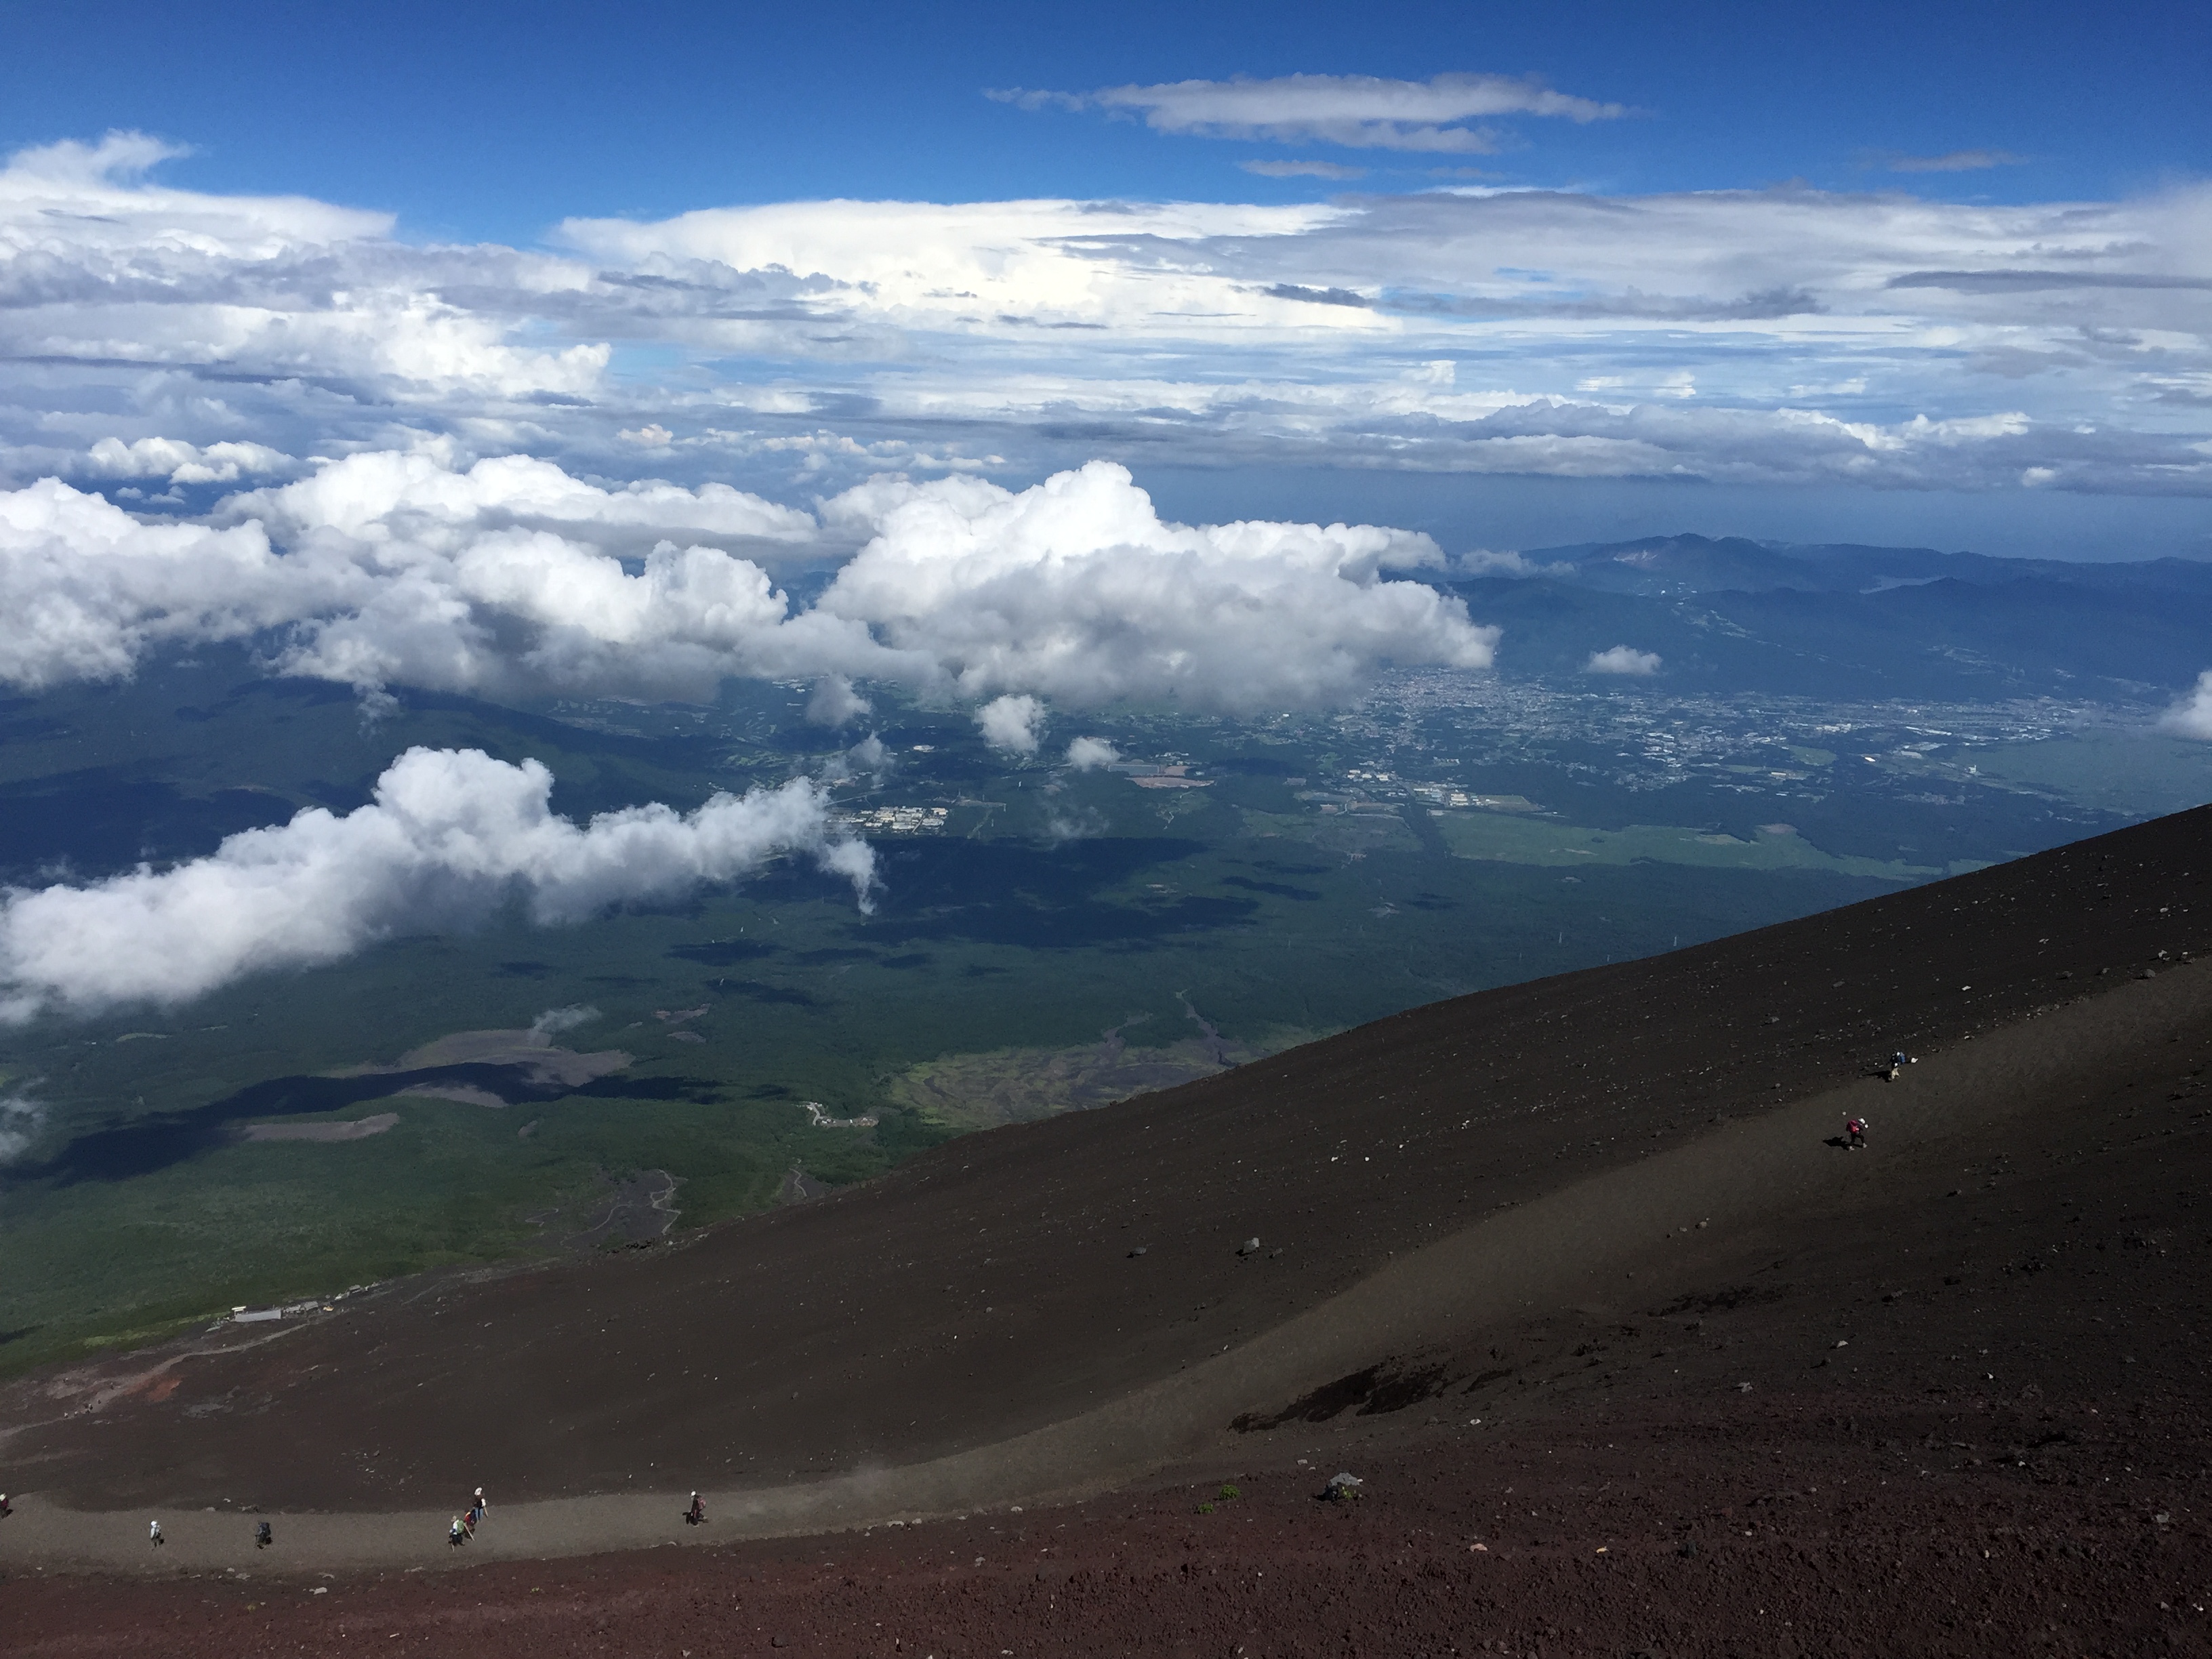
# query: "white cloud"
399,570
1089,754
555,1021
869,755
101,266
1011,723
1363,111
1956,160
88,590
449,836
1486,561
1077,591
1622,659
21,1118
1083,823
834,702
988,268
819,342
388,497
1863,340
1777,309
181,463
1303,170
510,578
2191,716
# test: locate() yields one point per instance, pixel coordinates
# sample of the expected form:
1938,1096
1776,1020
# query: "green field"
1056,909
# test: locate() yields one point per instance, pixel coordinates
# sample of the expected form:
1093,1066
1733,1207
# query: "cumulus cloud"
21,1118
88,589
1089,754
1622,659
181,463
555,1021
834,702
1011,723
1363,111
508,577
392,496
449,836
2192,717
1077,591
868,758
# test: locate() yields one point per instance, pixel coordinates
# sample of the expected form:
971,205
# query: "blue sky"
1511,276
499,121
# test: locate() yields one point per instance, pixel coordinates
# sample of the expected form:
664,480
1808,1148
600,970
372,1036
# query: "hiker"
457,1534
154,1532
262,1539
6,1508
1855,1127
475,1514
696,1513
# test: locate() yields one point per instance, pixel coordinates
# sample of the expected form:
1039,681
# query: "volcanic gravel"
1964,1415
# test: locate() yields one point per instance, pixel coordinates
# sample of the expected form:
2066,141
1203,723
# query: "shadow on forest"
162,1139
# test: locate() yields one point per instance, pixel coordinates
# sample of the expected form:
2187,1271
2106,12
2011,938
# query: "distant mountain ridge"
1663,566
1730,614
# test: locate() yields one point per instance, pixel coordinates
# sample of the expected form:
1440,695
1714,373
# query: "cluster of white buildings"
900,820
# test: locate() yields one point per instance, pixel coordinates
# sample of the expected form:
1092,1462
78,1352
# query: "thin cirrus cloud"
1335,170
1956,160
448,836
1356,112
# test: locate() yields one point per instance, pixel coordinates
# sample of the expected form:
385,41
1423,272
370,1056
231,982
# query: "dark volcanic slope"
990,1287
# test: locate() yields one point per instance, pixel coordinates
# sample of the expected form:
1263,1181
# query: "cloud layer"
168,342
451,835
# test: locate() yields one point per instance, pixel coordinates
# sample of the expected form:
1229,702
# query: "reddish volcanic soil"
1946,1394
